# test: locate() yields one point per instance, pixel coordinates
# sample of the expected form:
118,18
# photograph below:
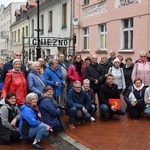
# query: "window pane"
102,41
131,22
85,42
126,23
126,39
131,32
102,28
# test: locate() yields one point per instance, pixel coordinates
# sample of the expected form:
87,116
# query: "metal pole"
38,49
23,50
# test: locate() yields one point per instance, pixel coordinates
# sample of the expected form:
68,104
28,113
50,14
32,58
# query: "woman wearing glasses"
142,69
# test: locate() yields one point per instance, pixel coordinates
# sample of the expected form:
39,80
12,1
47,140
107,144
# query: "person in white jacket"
118,74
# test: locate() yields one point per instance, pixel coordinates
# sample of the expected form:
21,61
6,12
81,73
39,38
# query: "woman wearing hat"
50,111
15,81
118,74
30,125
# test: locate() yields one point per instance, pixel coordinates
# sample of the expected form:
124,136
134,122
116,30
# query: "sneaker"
92,119
71,126
37,146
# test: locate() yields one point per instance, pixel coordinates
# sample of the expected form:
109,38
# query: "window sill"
126,51
99,51
84,51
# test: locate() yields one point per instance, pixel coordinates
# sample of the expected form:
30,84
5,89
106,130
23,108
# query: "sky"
7,2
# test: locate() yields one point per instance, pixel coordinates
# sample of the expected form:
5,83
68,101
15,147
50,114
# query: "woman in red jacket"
15,81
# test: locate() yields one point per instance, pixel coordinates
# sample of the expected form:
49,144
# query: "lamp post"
38,48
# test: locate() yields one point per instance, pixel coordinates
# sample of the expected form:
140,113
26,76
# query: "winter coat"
51,78
7,114
73,75
118,76
142,70
15,82
28,119
127,75
138,93
108,92
78,100
8,66
35,84
93,72
48,108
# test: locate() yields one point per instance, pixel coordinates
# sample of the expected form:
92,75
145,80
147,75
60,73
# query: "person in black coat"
9,116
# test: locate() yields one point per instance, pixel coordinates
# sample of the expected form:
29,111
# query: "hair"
15,60
60,54
74,59
120,57
47,88
143,53
128,58
101,60
76,82
35,63
52,62
86,81
10,94
30,96
137,79
87,58
109,75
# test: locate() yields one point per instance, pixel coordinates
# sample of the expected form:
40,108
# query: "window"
64,15
23,30
32,28
85,2
15,36
86,38
50,21
18,34
26,31
127,34
42,24
102,36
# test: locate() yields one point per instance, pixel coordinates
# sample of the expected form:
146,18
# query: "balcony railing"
4,34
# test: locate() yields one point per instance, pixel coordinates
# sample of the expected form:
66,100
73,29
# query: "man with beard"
94,74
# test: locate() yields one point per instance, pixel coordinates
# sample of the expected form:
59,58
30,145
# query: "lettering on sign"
95,9
127,2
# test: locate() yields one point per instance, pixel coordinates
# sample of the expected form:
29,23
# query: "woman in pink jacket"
142,69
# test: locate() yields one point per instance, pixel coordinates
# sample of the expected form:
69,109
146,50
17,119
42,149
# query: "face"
37,67
61,58
77,88
87,62
12,100
1,65
17,55
117,64
41,60
129,62
138,83
78,58
34,100
104,60
17,66
55,65
94,59
113,55
143,57
50,93
110,80
86,85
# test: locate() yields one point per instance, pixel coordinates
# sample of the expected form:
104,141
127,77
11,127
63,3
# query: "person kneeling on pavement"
30,124
109,90
9,117
77,98
50,110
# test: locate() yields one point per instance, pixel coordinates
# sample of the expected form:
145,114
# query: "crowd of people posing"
33,99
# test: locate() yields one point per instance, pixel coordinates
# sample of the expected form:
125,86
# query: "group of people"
34,98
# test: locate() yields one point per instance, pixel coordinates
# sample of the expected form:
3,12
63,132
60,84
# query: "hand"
56,83
84,110
96,81
13,122
113,108
133,103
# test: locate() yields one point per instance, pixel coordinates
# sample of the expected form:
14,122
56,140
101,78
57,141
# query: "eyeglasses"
18,55
78,87
143,56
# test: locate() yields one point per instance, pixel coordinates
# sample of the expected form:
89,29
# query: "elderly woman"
9,116
142,69
30,125
134,97
15,81
36,80
118,74
49,109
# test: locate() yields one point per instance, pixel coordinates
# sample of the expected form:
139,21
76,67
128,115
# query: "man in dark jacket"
94,74
109,90
9,66
77,98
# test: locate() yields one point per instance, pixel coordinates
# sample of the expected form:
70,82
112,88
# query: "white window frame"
104,34
86,36
128,29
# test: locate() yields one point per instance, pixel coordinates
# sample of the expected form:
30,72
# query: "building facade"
119,25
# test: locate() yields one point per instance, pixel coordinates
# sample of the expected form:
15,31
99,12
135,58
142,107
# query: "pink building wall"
140,12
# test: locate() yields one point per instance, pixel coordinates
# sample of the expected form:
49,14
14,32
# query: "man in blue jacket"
77,98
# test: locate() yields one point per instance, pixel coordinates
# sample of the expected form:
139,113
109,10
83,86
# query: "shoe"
104,119
92,119
71,126
77,122
37,146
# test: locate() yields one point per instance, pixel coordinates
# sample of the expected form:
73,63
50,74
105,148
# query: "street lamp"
38,48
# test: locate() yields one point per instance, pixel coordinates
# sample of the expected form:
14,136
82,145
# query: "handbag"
79,113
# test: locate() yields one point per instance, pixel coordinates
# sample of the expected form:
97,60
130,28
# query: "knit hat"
15,60
116,60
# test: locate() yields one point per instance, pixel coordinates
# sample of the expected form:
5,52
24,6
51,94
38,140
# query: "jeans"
38,132
104,109
91,110
147,111
72,112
